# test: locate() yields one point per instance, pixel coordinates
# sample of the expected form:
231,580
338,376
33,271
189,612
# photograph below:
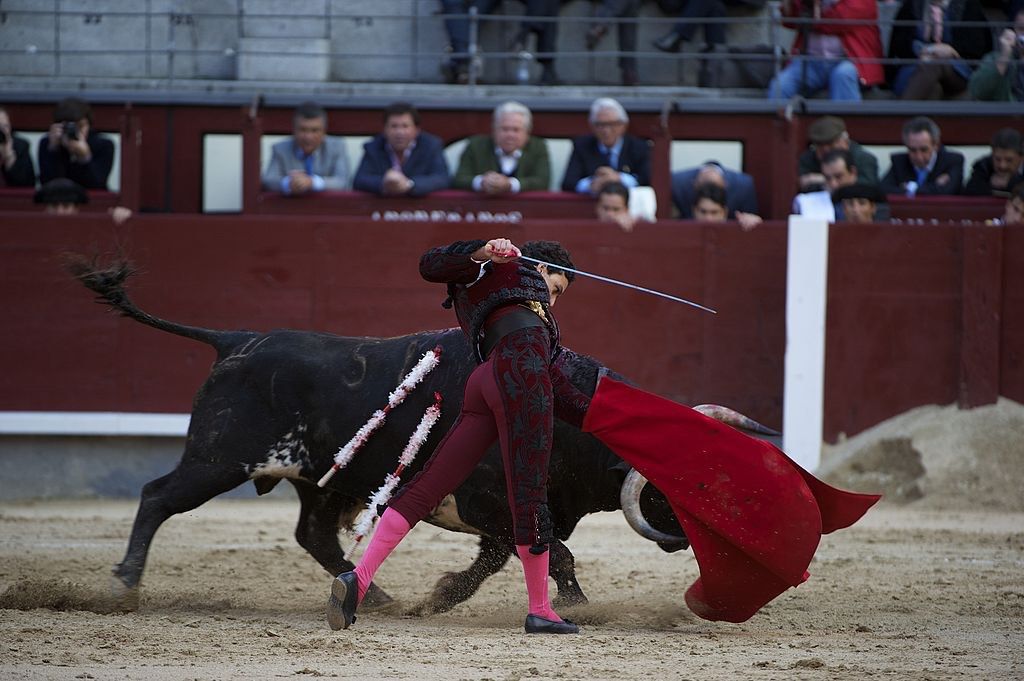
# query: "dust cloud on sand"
929,585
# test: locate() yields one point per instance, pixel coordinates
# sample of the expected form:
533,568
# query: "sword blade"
609,280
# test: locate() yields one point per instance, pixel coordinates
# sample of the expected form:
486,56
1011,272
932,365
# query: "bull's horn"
629,495
733,418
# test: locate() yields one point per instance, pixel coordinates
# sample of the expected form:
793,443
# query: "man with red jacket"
836,46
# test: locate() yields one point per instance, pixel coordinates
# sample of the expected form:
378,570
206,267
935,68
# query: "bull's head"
649,514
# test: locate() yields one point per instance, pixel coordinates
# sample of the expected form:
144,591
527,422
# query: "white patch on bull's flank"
286,458
446,516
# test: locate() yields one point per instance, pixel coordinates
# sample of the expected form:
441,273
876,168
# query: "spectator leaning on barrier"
613,206
842,49
929,31
709,205
1013,214
740,195
72,149
840,171
402,160
15,163
859,203
1000,78
926,167
1001,170
508,160
825,134
309,161
607,155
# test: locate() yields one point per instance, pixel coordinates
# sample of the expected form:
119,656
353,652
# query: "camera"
70,130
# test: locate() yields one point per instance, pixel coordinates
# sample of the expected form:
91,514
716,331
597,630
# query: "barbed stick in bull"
426,364
609,280
369,516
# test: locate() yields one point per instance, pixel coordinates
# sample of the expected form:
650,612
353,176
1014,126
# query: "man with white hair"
607,155
509,160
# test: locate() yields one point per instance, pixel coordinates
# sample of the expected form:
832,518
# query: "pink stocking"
535,570
391,528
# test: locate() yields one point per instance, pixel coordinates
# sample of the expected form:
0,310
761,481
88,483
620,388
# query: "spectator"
309,161
739,188
709,205
839,170
607,155
543,21
931,34
1013,214
828,133
63,197
72,149
926,167
859,203
627,30
509,160
402,160
840,56
1001,170
687,11
1000,78
15,163
613,206
456,68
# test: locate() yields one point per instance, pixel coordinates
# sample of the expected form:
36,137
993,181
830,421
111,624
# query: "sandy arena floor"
907,593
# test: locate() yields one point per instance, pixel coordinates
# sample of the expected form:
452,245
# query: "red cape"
754,517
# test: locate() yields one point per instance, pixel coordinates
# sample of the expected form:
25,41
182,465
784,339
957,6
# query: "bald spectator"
825,134
509,160
740,194
927,167
997,173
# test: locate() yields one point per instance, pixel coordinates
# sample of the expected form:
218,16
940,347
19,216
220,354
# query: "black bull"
279,405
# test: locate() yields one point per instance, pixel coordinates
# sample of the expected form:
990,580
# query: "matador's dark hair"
552,252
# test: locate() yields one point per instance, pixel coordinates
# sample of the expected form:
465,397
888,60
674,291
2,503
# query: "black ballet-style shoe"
670,42
341,607
539,625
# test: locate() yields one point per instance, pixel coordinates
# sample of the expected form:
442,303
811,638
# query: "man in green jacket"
1000,78
507,161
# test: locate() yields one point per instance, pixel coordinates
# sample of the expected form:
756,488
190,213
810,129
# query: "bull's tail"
107,282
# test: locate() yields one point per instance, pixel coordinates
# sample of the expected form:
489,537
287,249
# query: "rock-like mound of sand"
937,457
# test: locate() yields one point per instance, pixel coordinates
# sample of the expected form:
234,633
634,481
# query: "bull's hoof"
124,598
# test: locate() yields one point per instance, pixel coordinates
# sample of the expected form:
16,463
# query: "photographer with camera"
15,164
1000,78
838,46
73,150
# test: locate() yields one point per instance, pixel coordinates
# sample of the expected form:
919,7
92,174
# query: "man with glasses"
608,154
926,167
826,134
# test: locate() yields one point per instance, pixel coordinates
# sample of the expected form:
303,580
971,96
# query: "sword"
608,280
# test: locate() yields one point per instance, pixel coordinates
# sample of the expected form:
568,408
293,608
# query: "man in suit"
15,163
607,155
926,167
310,161
402,160
509,160
739,188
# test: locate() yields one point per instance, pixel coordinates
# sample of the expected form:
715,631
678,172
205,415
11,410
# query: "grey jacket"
330,161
